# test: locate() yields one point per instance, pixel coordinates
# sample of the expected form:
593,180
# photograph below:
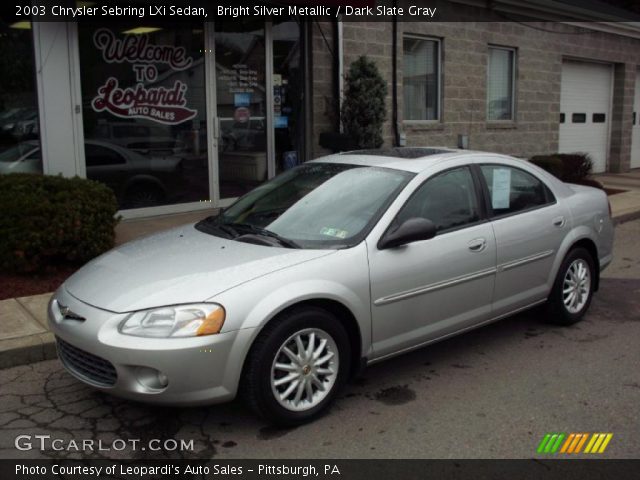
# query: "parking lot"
491,393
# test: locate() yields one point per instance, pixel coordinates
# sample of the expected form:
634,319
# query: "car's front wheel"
296,366
573,288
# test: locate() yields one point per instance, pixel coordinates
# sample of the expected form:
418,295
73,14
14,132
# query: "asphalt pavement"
491,393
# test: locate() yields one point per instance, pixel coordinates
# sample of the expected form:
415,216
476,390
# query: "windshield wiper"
264,232
212,223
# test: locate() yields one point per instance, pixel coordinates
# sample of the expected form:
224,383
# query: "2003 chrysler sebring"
339,262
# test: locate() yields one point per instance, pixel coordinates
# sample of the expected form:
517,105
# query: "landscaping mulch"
21,285
614,191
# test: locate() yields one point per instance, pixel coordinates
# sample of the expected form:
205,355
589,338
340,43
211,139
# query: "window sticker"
501,188
334,232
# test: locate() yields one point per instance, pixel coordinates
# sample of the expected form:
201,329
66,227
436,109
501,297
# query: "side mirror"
411,230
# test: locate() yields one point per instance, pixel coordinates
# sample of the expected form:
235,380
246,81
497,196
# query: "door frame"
213,122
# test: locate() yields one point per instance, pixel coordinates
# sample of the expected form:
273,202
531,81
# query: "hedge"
568,167
47,220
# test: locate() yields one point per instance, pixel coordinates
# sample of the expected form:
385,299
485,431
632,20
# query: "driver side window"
449,200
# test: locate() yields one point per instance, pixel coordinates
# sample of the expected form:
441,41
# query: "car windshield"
316,205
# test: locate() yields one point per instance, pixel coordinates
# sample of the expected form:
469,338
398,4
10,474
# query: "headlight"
175,322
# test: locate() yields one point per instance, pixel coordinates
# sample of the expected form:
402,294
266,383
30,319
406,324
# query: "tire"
268,385
563,309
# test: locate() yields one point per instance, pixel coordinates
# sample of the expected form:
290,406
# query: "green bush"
550,163
363,109
568,167
46,220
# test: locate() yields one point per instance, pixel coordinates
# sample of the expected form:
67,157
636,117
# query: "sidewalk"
624,205
24,337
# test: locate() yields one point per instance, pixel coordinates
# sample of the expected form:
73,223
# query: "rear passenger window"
513,190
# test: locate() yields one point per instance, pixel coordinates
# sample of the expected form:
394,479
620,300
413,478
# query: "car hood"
181,265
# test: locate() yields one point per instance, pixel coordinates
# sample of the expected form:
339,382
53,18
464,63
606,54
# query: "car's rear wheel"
573,289
296,366
143,195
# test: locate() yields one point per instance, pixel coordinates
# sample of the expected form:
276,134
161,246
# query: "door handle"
477,244
216,127
558,222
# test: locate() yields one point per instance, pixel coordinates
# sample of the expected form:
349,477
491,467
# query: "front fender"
342,277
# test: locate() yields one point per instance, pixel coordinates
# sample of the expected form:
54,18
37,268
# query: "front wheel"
573,288
296,366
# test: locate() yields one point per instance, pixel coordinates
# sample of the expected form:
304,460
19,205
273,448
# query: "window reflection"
19,126
144,112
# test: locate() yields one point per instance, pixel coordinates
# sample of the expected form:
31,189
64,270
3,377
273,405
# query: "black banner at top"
172,11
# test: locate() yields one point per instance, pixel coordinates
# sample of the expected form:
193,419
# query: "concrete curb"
24,335
25,350
626,217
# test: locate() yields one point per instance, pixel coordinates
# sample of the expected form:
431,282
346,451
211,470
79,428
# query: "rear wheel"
143,195
573,289
296,366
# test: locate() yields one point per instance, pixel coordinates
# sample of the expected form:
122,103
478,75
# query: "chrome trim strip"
453,334
434,286
523,261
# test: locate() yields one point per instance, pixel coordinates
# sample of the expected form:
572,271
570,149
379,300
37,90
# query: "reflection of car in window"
20,123
146,139
21,158
137,181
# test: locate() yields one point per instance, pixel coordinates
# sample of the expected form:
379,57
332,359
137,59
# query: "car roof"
410,159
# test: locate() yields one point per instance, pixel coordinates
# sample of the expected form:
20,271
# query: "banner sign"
162,104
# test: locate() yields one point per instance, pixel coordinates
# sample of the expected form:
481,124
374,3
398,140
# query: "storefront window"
19,126
144,111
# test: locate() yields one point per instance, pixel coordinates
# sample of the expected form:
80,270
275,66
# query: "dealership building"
189,115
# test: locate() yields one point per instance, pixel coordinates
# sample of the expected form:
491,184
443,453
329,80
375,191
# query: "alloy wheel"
305,369
576,286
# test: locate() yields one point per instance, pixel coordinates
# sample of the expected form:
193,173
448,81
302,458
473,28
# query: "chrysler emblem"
68,314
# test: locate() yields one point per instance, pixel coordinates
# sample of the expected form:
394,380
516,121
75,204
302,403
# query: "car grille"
89,367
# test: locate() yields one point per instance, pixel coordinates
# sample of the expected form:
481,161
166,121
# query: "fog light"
152,379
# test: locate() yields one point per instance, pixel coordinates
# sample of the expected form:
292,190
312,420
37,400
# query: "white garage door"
585,108
635,135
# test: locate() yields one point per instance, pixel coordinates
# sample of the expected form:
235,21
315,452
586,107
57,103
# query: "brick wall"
464,79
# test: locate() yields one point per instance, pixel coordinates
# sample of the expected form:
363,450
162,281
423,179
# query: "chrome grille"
87,366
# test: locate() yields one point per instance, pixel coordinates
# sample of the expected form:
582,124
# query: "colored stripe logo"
574,443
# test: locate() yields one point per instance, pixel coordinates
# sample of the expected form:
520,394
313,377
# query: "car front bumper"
172,371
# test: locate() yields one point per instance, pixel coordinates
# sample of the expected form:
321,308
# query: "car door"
430,288
529,225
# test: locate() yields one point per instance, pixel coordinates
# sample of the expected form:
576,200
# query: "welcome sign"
161,103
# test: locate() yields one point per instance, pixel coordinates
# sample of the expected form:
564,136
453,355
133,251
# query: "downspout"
340,72
394,80
338,65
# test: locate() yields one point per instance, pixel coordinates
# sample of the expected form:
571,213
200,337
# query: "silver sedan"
335,264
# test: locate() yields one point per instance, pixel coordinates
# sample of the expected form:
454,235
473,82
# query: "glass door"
257,86
241,106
